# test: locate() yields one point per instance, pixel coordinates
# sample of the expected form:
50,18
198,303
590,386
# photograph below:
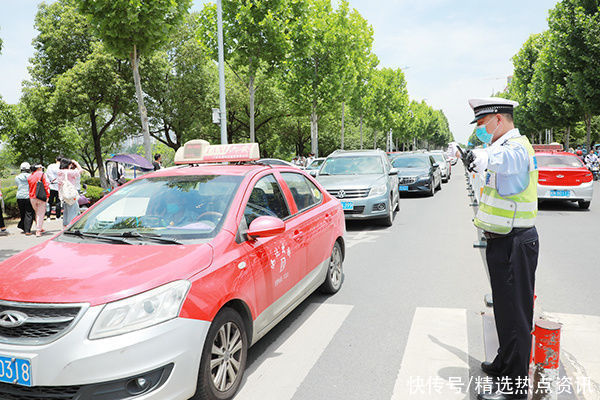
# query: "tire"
397,204
439,187
388,220
584,205
335,272
431,192
227,325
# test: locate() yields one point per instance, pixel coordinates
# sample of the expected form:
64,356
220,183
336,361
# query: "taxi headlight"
140,311
378,190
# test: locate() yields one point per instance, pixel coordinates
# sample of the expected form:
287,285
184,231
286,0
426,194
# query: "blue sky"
450,50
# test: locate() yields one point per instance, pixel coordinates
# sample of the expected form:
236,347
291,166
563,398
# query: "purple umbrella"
132,159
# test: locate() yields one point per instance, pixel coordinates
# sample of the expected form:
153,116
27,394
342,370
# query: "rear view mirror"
313,172
436,165
265,227
394,171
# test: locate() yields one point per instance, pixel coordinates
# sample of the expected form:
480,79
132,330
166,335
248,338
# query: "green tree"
181,84
388,102
96,89
257,34
575,25
322,66
132,28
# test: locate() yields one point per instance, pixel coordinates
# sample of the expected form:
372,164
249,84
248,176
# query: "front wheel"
333,281
388,220
223,357
584,205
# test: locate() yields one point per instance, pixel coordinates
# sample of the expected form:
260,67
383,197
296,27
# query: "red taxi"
563,176
158,290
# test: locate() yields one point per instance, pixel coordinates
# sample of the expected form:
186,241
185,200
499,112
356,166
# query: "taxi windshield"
178,208
352,166
410,162
557,161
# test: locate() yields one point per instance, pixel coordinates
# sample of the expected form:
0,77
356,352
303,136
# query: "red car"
158,290
563,176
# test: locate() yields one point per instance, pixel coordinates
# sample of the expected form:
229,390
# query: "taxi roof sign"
200,151
548,147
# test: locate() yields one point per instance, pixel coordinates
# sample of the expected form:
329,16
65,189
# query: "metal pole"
222,106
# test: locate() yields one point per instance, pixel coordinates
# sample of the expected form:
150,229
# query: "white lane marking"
579,351
279,377
366,236
434,365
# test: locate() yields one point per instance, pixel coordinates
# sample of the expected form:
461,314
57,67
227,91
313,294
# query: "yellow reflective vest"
500,214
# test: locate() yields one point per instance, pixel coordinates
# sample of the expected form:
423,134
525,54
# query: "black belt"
492,235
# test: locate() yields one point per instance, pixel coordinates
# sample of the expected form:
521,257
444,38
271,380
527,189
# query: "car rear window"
558,161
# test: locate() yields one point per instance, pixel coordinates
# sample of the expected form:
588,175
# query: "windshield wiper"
77,232
151,236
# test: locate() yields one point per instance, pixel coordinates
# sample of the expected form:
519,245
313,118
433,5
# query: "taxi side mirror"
313,172
265,227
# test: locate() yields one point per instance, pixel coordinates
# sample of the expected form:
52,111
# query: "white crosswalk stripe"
435,360
579,351
437,342
279,377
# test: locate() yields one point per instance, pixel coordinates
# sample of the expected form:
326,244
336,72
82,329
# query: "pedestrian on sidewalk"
69,176
38,195
3,231
507,214
157,163
25,209
53,201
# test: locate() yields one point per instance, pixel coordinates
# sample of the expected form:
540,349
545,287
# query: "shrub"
90,180
9,194
94,193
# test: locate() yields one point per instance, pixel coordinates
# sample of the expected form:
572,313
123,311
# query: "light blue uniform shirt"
511,163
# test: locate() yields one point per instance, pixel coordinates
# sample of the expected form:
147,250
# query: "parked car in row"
442,159
364,181
563,176
417,172
159,289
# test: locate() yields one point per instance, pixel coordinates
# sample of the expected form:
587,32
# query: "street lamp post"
222,105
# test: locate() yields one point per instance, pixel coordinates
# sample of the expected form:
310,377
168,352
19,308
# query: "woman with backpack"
39,191
69,176
25,209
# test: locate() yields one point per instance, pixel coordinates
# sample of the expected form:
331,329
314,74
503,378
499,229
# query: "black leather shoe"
500,396
489,369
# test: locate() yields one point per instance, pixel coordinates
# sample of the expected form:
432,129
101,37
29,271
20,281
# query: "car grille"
407,180
43,323
357,210
349,193
13,392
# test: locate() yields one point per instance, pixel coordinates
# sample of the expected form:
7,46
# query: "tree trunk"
135,60
314,131
568,139
374,140
98,150
252,91
361,131
588,128
343,112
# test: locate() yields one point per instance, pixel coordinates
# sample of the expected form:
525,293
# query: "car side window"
304,192
266,199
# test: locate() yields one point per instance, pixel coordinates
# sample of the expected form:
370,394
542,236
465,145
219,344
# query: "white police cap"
491,105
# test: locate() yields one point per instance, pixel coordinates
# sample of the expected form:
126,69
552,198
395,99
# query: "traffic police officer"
506,214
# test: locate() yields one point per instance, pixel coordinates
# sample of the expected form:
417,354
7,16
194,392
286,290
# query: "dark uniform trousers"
512,261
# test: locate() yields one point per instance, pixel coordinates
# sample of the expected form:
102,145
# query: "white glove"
452,150
481,160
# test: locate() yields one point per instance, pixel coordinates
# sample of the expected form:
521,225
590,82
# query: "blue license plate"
15,370
560,193
347,205
403,188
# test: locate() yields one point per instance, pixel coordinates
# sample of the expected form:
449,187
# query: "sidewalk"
16,241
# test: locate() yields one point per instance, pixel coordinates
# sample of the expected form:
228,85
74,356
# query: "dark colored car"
417,172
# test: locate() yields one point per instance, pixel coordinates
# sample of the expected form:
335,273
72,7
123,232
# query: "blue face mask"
482,133
172,208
